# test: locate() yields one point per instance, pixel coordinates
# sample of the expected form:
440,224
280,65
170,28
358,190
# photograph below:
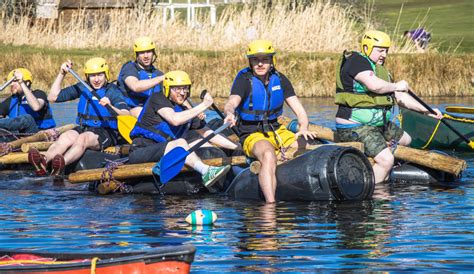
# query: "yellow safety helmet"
97,65
175,78
374,38
143,43
27,76
261,47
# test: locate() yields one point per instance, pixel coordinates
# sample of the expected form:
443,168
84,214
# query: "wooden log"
41,146
323,132
122,150
431,159
141,170
22,157
14,158
42,135
291,153
424,158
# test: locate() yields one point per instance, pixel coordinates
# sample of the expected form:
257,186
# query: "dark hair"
406,32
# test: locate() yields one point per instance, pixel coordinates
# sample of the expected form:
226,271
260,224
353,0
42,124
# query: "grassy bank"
311,74
451,22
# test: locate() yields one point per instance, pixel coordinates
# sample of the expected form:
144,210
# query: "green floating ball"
201,217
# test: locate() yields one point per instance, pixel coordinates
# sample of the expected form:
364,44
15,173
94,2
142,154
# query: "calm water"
405,227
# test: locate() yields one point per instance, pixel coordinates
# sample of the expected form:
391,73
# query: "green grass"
451,22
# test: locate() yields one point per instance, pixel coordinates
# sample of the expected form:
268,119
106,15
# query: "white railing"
190,7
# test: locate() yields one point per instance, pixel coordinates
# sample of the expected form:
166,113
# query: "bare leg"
192,158
265,153
84,141
65,141
383,164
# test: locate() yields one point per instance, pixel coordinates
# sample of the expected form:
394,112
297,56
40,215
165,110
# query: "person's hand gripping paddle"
125,123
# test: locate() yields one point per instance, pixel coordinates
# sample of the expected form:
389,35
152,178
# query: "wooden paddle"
464,138
7,83
172,162
125,123
456,109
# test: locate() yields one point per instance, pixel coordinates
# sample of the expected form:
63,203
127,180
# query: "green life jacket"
367,107
362,97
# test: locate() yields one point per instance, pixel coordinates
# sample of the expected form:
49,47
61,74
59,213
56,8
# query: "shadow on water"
406,226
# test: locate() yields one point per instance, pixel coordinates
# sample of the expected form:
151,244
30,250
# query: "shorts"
144,150
107,137
374,138
287,138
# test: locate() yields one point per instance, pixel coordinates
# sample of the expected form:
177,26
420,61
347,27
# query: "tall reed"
319,27
312,75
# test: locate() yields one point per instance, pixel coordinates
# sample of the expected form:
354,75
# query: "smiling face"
179,94
145,58
261,64
97,80
378,55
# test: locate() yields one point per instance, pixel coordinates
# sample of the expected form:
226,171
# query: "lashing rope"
52,134
107,177
5,148
447,116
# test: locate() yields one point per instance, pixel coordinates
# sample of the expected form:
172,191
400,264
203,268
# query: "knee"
385,160
180,142
405,140
269,158
81,141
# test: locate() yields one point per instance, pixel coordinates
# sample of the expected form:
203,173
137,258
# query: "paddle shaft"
218,111
7,83
442,120
108,107
209,137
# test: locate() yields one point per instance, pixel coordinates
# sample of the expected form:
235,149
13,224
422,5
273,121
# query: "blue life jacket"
90,113
162,131
132,98
263,103
19,106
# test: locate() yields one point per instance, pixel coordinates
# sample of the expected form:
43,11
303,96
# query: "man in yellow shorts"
258,94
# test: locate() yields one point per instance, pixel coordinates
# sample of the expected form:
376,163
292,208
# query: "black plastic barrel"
326,173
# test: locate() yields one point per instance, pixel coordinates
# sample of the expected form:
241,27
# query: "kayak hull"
172,259
428,133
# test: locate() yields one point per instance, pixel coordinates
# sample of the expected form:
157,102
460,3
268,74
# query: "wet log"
118,150
42,135
14,158
323,132
130,171
431,159
41,146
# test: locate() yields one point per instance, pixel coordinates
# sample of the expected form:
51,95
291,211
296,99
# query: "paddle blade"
171,164
125,124
471,144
